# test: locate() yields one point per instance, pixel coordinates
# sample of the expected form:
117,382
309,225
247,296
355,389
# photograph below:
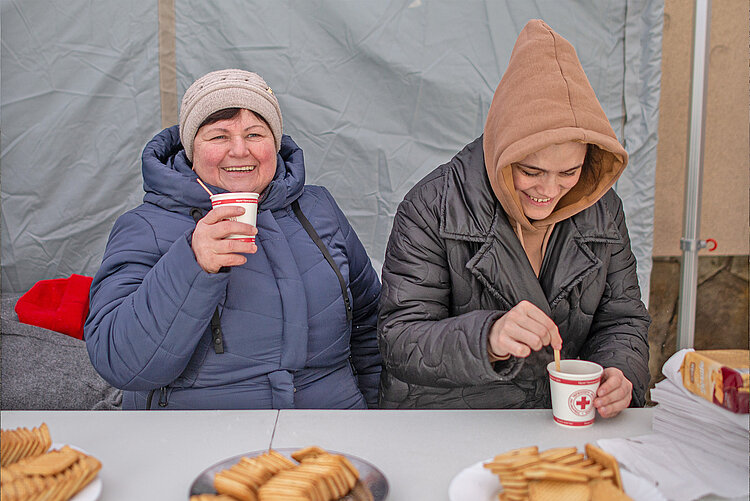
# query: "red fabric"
60,304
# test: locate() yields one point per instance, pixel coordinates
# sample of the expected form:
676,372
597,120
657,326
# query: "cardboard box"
719,376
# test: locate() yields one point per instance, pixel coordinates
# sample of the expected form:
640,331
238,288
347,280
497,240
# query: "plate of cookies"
35,468
559,473
281,474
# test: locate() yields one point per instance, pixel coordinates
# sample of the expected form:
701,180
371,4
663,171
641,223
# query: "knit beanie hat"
223,89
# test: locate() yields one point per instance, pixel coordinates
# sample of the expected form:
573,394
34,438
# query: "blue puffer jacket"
287,340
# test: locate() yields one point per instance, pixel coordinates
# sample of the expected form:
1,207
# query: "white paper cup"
246,200
573,392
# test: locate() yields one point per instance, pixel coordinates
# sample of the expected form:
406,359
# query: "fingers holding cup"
227,233
614,394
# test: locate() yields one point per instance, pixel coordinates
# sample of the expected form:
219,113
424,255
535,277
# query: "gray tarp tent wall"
376,93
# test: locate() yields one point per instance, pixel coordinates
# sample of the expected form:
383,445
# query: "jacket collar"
570,258
468,209
472,213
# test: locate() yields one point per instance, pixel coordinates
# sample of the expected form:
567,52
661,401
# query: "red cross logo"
579,402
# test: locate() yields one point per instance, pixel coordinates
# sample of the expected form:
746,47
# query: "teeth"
239,169
540,200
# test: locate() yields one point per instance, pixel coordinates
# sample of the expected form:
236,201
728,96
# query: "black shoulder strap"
217,337
314,235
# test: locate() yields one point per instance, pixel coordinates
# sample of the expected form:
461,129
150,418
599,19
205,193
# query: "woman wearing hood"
516,246
181,317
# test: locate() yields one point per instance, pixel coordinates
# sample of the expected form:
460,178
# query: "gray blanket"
43,369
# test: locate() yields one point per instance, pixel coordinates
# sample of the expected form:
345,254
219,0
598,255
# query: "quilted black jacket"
454,265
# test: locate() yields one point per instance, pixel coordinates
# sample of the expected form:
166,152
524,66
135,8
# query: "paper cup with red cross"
246,200
573,392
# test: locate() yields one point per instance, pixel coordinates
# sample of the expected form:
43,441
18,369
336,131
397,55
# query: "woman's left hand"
614,393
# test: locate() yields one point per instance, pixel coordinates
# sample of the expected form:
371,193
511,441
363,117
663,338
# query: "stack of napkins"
697,447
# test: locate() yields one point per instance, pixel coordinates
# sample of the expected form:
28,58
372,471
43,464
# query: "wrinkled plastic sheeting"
80,94
644,27
377,94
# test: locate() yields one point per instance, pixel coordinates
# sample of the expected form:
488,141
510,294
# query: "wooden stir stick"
557,360
204,186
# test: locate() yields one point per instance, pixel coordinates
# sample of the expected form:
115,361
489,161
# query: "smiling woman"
544,177
234,149
182,315
515,248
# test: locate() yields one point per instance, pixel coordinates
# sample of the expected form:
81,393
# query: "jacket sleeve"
420,341
619,331
148,311
364,286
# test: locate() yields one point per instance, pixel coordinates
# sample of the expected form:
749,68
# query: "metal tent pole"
689,243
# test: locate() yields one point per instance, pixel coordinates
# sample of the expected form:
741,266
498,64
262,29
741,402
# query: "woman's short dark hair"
227,114
592,165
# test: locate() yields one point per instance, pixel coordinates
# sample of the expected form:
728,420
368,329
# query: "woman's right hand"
211,247
523,329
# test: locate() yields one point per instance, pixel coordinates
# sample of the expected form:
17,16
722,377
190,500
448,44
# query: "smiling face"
544,177
237,154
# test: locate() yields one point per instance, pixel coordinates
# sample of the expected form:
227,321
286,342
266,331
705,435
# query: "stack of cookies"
317,475
243,480
320,476
561,474
22,442
30,471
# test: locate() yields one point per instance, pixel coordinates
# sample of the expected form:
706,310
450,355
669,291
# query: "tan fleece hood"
544,98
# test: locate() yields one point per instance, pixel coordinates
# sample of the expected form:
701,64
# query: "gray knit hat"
227,89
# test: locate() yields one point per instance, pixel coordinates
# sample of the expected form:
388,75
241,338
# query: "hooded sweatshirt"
544,98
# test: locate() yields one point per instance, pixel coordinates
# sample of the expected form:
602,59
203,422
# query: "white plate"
477,483
94,488
91,492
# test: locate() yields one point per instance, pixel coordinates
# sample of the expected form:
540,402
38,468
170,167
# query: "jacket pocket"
190,374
